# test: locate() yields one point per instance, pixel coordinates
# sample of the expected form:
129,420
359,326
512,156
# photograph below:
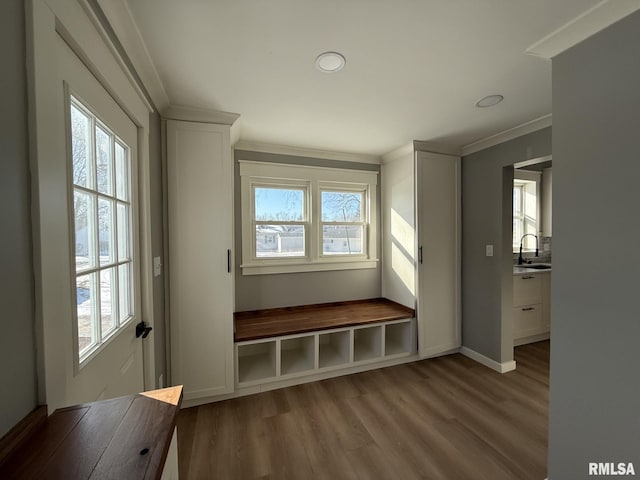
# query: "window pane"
105,231
342,240
122,172
85,227
280,241
85,301
104,161
342,206
279,204
124,292
123,232
108,301
81,148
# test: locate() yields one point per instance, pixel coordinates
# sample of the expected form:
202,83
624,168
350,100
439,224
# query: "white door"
438,217
97,346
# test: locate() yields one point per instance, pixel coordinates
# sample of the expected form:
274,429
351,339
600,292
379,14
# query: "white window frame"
315,180
81,359
530,219
281,184
364,223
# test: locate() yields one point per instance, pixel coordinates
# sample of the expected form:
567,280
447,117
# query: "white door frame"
76,23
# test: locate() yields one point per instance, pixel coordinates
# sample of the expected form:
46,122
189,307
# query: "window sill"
323,266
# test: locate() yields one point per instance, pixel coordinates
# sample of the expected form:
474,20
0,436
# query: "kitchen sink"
536,267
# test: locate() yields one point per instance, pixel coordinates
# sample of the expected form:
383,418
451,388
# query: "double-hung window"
343,220
102,225
298,218
280,220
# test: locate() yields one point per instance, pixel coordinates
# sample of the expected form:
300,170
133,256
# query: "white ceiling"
414,67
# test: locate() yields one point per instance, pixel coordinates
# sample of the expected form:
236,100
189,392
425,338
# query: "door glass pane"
85,227
342,206
108,301
104,161
85,301
122,172
105,231
279,204
279,241
342,240
81,148
124,292
123,232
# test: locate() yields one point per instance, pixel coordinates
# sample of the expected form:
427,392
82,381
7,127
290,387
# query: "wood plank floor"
444,418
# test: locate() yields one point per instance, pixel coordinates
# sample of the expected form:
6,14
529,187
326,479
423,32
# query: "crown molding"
124,26
597,18
509,134
398,153
194,114
434,147
307,152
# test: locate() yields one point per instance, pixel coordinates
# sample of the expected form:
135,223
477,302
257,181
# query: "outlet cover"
157,266
489,250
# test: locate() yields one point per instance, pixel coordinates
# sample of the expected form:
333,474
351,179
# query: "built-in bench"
283,344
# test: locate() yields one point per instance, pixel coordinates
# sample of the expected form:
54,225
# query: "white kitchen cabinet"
200,221
531,307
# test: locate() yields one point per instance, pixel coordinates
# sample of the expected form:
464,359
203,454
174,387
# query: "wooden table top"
122,438
273,322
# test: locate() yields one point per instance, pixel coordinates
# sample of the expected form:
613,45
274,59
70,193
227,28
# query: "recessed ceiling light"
330,62
489,101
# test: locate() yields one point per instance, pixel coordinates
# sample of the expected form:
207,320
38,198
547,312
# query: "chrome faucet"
520,259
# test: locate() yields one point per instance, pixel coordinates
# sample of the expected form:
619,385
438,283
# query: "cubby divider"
297,354
335,348
398,338
367,343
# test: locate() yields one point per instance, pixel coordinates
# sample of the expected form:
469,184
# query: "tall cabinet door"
200,208
439,247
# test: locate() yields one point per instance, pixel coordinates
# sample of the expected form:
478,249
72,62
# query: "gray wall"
254,292
17,347
595,386
157,236
485,220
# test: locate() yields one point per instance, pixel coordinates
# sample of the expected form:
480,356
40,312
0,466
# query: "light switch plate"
489,250
157,266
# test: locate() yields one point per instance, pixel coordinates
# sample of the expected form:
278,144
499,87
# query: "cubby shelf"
263,361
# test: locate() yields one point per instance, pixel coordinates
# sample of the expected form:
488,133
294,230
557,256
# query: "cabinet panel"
438,217
527,320
527,289
200,204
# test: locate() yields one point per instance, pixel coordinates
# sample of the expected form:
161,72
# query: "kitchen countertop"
523,270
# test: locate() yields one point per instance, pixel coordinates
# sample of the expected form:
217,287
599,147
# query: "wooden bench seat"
126,437
275,322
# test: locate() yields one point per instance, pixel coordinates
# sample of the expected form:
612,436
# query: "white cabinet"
200,207
531,307
421,191
303,355
438,218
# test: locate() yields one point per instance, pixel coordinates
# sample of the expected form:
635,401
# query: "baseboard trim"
503,367
276,384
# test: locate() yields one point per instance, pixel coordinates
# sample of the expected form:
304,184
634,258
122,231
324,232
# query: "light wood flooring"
444,418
